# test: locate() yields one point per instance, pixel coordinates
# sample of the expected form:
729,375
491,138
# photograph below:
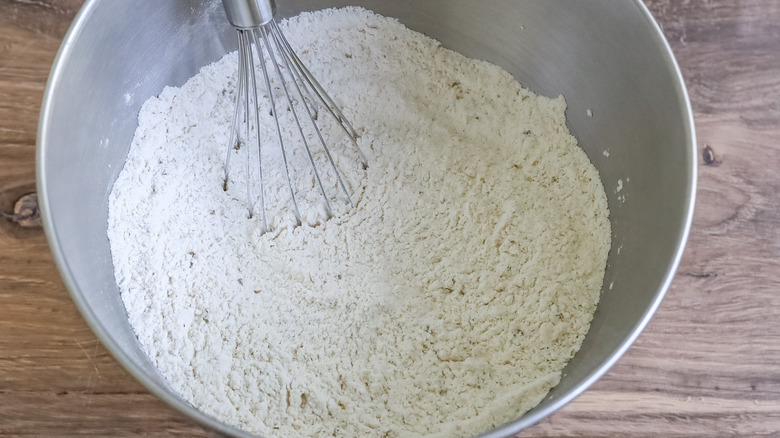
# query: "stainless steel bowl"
603,55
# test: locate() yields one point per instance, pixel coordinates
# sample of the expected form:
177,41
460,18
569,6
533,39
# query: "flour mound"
446,302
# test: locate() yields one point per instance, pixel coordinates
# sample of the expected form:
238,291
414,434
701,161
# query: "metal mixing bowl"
604,55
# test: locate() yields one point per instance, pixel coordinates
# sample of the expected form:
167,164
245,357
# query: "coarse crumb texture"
446,302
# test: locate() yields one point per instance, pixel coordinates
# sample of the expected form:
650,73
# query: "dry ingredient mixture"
446,302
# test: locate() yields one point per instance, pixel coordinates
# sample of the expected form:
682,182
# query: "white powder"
444,304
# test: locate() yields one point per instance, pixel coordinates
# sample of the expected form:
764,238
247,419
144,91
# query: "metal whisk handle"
249,14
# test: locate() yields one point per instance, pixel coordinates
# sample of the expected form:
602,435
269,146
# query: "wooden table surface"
707,364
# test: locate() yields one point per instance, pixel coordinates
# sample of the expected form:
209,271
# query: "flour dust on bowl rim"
609,60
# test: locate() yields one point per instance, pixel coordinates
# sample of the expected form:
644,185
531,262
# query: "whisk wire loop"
245,92
321,94
248,36
234,140
300,89
285,55
266,39
279,135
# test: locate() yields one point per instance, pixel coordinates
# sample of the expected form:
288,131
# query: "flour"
446,302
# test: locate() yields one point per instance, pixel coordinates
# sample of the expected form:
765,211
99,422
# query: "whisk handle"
249,14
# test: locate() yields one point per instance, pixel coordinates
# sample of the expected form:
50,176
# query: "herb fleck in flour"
445,303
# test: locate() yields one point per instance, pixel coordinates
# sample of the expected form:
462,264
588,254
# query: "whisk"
256,27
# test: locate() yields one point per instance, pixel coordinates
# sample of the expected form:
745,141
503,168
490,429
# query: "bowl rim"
203,419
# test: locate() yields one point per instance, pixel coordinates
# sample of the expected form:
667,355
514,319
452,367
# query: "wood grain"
708,363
